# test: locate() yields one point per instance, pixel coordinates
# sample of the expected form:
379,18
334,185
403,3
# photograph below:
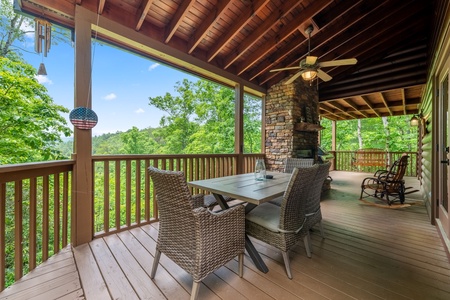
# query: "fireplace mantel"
303,126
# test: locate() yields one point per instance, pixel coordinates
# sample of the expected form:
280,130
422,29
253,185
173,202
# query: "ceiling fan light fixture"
309,74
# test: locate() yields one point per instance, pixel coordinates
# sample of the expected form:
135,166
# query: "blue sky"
122,84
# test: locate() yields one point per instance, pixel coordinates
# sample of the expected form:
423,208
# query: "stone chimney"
292,122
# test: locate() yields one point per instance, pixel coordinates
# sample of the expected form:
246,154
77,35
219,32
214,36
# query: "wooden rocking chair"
387,186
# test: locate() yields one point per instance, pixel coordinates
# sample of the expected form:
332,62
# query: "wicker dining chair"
312,210
292,162
197,239
283,226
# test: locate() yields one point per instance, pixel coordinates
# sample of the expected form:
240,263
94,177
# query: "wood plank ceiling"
391,39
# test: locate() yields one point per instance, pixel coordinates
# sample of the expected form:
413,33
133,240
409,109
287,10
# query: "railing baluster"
117,195
18,230
106,195
147,191
2,235
32,225
65,213
56,212
128,192
45,219
137,188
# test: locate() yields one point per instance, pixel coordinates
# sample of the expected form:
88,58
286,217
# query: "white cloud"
110,96
139,111
42,79
152,67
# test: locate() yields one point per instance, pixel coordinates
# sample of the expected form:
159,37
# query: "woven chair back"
294,199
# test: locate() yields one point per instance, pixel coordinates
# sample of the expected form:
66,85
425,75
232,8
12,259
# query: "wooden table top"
245,187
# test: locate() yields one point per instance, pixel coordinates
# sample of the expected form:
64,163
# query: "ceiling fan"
310,66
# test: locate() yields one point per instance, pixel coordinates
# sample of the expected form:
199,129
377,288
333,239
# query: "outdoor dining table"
246,188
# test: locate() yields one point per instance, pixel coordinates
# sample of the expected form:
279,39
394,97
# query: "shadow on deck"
368,253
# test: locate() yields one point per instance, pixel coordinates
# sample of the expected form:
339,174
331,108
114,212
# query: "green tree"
30,122
11,25
201,119
137,141
392,134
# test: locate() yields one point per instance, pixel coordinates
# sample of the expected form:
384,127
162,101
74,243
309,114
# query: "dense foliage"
387,133
31,124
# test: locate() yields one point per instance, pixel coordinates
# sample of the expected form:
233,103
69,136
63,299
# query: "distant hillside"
108,143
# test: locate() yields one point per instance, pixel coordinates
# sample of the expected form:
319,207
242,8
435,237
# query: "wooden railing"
35,202
124,195
343,161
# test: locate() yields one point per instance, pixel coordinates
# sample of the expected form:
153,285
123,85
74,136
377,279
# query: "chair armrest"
227,222
371,180
379,173
198,200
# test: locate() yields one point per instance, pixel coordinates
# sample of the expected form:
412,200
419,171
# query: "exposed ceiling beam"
180,14
385,103
364,98
204,28
142,13
101,6
249,13
342,109
355,107
268,24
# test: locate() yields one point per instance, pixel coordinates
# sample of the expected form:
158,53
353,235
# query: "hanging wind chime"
84,117
42,41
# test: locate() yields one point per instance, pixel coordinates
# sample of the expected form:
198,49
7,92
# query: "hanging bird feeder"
83,118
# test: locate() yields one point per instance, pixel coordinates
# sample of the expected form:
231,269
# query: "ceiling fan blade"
324,76
283,69
310,60
339,62
295,76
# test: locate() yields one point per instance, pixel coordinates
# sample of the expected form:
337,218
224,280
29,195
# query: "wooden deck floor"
368,253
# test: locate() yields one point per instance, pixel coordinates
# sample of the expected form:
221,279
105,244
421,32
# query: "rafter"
270,23
142,13
403,101
101,6
249,13
364,98
331,112
355,107
204,28
342,109
385,103
180,14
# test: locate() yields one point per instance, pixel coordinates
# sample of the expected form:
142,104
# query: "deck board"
368,253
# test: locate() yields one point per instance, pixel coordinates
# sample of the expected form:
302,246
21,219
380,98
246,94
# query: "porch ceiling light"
309,74
414,121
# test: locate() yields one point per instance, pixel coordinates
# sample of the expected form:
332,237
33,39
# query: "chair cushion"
266,215
277,201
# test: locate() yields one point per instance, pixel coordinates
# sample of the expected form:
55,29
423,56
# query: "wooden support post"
239,127
82,198
333,144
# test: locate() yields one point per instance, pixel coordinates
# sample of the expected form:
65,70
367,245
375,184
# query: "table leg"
254,255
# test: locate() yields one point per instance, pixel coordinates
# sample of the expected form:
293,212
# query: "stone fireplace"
292,123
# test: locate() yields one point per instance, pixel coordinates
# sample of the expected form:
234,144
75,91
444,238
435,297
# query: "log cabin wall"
292,122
